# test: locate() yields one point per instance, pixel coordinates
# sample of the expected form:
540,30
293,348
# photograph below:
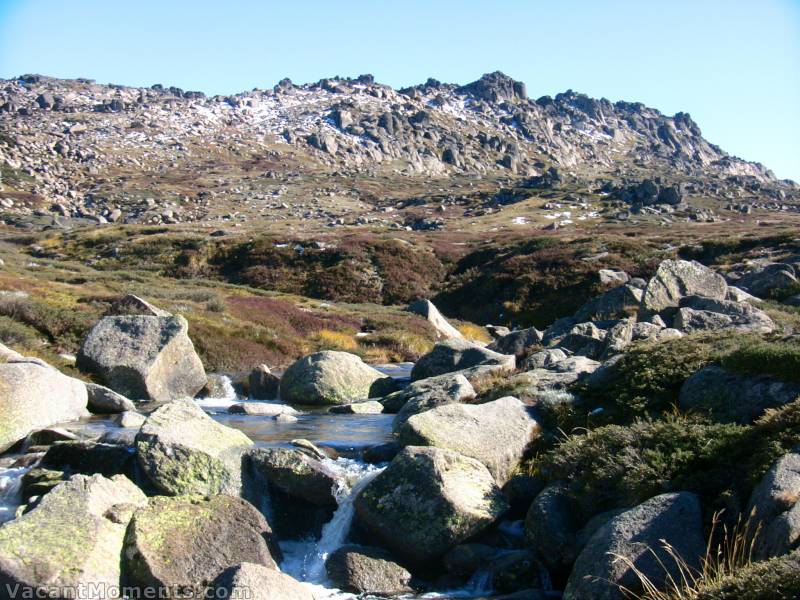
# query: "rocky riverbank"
577,461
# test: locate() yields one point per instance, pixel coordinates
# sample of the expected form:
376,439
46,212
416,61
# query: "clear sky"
733,64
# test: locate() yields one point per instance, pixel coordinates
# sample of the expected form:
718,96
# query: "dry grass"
733,553
335,340
474,333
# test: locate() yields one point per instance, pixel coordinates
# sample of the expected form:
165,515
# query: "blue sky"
734,65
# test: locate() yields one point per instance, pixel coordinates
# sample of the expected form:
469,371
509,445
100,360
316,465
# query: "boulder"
551,529
733,398
700,314
609,277
104,401
130,419
428,500
365,570
617,303
584,339
739,295
329,377
636,536
429,393
257,582
496,433
517,342
182,450
144,357
774,502
676,279
184,543
427,310
89,458
261,409
771,280
34,395
454,355
370,407
263,384
543,359
294,473
73,537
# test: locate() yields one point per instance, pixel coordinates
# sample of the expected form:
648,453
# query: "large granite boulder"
733,398
294,473
365,570
72,538
427,501
257,582
263,384
182,450
429,393
676,279
455,355
184,543
634,541
427,310
144,357
329,377
702,314
496,433
34,395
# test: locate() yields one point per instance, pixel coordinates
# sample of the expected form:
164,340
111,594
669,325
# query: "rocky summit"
338,341
76,149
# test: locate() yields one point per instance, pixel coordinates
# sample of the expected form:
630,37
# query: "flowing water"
348,434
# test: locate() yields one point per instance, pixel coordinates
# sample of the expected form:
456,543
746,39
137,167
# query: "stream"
349,435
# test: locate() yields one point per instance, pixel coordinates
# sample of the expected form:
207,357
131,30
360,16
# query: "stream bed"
349,435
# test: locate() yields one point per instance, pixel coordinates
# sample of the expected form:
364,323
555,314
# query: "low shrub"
779,359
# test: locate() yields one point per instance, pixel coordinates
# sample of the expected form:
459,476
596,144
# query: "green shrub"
647,380
779,359
617,466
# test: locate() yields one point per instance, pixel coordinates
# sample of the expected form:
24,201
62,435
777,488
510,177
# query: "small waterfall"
222,402
10,492
306,561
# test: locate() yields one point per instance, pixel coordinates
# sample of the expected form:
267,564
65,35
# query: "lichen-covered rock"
429,393
637,535
73,537
34,395
675,279
184,543
256,582
328,377
455,355
427,501
769,280
182,450
702,314
729,397
144,357
496,433
365,570
294,473
427,310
